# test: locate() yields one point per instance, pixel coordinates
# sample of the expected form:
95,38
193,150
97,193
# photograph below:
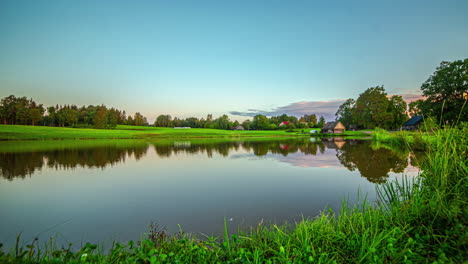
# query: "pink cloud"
327,109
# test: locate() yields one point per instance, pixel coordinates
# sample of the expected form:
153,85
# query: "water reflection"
24,164
372,161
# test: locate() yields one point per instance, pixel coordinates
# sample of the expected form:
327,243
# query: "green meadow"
18,132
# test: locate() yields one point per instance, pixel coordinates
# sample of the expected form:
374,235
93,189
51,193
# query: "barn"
333,128
413,123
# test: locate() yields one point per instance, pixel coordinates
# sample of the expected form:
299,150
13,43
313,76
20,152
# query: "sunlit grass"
14,132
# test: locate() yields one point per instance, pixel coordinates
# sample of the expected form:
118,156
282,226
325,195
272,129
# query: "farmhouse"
285,123
333,128
413,123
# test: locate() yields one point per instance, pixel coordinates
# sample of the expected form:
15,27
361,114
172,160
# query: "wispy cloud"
327,109
408,98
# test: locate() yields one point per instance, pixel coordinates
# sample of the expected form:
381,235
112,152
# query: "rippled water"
100,191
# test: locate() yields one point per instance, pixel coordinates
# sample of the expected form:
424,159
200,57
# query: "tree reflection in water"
373,162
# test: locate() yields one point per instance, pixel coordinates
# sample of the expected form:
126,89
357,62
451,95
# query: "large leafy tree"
371,108
416,107
139,119
447,92
163,121
260,122
101,117
345,112
397,109
222,122
321,122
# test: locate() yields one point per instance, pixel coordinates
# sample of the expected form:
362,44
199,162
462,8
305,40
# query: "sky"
241,58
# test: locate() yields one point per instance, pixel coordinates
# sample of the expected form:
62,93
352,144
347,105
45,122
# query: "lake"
100,191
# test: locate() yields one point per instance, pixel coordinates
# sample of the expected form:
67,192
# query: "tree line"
259,122
446,92
22,111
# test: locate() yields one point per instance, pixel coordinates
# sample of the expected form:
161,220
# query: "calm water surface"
100,191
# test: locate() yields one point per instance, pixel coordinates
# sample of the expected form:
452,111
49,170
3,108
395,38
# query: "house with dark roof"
333,128
413,123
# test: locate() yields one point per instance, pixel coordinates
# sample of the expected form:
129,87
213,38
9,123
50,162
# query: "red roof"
285,122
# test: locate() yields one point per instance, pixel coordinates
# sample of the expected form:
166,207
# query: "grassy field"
420,220
12,132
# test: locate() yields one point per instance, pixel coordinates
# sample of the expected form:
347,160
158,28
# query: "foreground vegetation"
422,220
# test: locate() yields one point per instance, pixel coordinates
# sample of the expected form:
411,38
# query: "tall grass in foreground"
421,220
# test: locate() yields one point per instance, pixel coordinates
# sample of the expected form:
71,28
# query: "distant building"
333,128
413,123
284,123
237,128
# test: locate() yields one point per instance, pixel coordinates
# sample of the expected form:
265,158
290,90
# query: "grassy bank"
413,140
422,220
13,132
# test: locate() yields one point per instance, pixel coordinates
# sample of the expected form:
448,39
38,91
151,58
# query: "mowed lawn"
16,132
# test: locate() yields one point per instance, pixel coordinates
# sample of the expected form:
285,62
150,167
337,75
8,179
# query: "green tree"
345,112
139,119
370,110
222,122
36,115
50,118
291,126
9,109
272,126
447,92
246,124
416,108
311,119
100,119
397,108
260,122
209,121
163,121
321,122
113,116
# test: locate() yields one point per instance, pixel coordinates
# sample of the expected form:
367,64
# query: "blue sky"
190,58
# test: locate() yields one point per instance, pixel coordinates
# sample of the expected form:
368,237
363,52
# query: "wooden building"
413,123
333,128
